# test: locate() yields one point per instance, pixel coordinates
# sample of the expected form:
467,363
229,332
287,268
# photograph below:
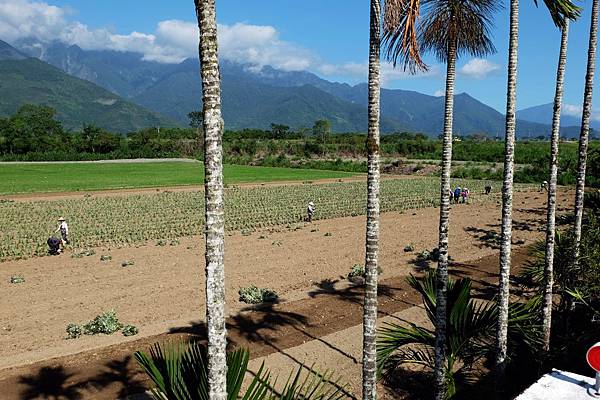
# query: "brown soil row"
111,372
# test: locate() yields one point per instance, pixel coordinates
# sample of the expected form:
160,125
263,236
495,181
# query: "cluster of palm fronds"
470,332
180,372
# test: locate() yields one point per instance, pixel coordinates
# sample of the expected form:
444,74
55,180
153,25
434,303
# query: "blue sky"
327,37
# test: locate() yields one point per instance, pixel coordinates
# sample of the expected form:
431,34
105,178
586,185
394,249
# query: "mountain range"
252,98
24,79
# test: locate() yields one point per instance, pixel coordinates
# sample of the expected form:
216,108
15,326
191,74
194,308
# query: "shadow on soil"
50,383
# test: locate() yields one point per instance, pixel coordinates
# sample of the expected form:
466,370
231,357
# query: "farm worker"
310,210
488,188
465,195
544,186
53,245
64,230
457,193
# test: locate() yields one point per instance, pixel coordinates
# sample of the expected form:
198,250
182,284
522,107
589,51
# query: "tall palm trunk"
442,270
372,234
507,193
551,212
585,131
213,193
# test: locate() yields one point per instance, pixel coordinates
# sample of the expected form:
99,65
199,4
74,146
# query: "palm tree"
559,10
469,337
372,231
585,130
213,194
447,28
551,212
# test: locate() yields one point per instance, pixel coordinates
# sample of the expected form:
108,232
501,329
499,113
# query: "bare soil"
163,292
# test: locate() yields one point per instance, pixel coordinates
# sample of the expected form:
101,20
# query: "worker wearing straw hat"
64,230
310,210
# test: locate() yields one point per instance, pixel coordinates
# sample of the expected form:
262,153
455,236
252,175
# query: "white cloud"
388,72
479,68
576,111
173,40
439,93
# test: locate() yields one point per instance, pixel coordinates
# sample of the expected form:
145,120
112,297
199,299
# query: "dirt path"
159,293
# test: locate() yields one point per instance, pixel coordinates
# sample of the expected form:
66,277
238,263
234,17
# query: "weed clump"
358,271
127,263
74,331
105,258
129,330
106,323
255,295
16,279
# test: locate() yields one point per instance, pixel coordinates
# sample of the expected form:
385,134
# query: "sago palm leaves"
180,372
469,332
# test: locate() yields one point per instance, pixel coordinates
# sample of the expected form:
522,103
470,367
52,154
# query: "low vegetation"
106,323
256,295
166,216
180,372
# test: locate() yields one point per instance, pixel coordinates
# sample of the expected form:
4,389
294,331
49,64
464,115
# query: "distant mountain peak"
7,52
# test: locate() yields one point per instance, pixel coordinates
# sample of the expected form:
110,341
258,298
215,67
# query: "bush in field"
129,330
106,323
74,331
105,258
255,295
15,279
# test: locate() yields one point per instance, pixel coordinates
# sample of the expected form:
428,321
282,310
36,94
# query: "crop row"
135,219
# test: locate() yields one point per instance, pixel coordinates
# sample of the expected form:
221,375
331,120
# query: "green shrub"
105,257
16,279
129,330
255,295
106,323
409,248
74,331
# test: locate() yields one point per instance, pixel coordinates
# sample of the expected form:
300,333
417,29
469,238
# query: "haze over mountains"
251,98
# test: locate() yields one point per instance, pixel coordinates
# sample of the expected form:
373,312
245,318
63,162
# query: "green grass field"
64,177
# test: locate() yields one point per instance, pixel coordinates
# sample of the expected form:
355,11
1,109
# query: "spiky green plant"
179,372
469,332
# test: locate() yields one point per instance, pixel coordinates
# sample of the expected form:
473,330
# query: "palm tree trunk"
551,212
213,193
372,234
507,193
585,130
442,270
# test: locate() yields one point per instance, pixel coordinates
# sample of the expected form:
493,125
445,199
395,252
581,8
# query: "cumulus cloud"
439,93
573,110
360,71
172,41
479,68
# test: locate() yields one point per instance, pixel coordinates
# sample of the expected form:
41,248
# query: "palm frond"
467,24
560,10
314,386
393,337
180,372
400,33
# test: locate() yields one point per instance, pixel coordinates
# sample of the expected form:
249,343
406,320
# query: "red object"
593,357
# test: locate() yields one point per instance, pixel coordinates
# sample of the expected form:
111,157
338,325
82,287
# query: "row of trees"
448,28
